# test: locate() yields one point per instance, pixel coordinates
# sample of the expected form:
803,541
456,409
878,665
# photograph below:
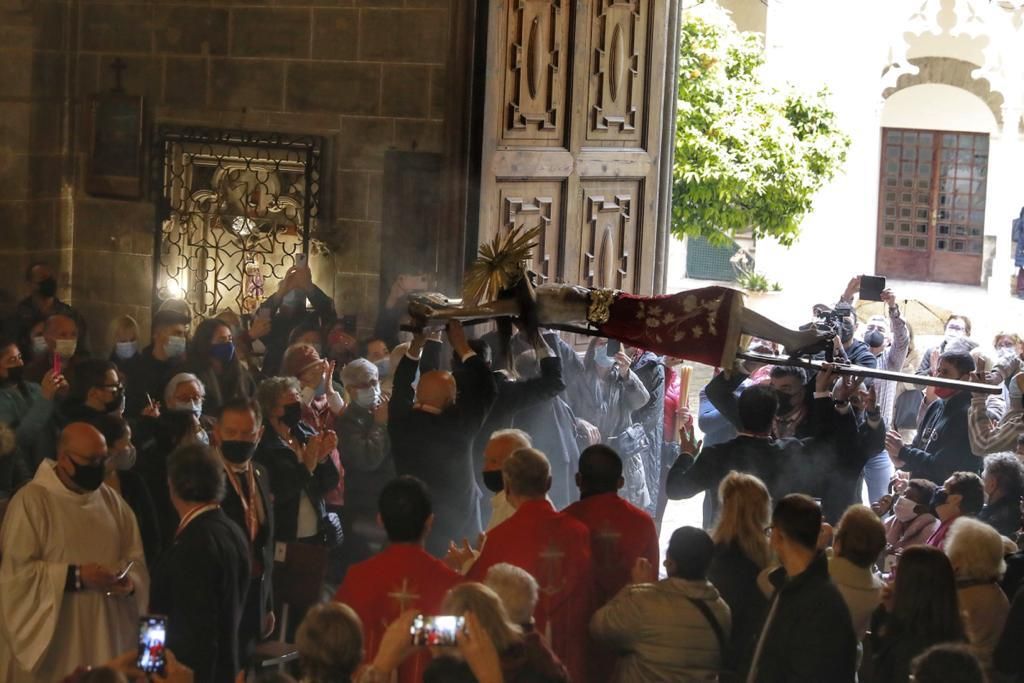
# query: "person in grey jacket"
605,395
665,629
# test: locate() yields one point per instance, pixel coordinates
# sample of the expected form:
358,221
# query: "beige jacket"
984,608
861,591
661,635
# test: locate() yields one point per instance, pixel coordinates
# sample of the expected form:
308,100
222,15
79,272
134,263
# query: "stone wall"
34,220
368,75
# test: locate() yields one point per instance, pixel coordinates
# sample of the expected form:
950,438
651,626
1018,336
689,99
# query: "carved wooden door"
572,128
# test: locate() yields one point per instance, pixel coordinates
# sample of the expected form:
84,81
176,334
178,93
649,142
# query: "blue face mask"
223,351
194,407
174,347
383,367
601,358
126,350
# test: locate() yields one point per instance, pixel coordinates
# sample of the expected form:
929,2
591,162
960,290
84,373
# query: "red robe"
555,549
620,532
400,577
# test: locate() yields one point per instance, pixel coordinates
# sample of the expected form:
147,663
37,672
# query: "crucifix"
403,596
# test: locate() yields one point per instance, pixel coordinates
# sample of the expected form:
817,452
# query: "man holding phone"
73,578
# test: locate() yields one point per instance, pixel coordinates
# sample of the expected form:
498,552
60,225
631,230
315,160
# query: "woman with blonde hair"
975,550
124,341
524,657
741,552
330,643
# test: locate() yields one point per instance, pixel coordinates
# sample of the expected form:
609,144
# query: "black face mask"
238,452
845,331
494,481
874,339
786,403
15,374
47,287
116,403
88,477
938,498
292,415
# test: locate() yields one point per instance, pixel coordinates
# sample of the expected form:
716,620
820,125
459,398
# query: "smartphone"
302,260
871,287
152,638
436,631
56,364
614,346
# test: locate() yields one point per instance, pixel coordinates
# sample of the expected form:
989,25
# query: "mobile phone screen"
152,638
871,287
614,346
436,630
302,260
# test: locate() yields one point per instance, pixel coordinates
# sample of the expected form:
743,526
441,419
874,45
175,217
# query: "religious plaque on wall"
115,162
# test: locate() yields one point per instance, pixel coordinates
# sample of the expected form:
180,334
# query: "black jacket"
136,493
289,479
942,445
260,596
1008,657
894,648
145,374
1003,515
808,636
735,576
200,584
438,448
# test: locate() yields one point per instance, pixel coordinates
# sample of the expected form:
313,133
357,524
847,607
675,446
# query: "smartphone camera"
436,631
152,639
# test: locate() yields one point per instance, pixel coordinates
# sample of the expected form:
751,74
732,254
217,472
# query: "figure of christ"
702,325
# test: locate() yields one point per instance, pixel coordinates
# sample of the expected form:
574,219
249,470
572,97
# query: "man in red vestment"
554,548
620,532
402,576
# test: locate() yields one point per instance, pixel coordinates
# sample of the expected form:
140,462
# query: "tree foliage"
748,156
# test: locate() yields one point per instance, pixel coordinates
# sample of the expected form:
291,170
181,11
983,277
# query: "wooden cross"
118,67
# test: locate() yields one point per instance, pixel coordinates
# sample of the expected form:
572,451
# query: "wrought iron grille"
238,207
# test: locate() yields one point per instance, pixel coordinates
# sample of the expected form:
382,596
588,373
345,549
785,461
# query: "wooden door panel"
536,204
611,234
618,73
536,40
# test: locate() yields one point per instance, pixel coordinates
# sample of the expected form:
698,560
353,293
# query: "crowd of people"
511,482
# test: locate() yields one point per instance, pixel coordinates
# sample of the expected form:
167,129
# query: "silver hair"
359,371
1008,472
518,434
181,378
517,589
271,389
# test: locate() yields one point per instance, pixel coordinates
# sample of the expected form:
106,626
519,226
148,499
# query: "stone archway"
954,72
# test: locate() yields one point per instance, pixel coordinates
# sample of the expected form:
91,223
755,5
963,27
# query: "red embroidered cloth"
701,325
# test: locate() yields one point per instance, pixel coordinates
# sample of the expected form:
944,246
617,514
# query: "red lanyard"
252,522
192,514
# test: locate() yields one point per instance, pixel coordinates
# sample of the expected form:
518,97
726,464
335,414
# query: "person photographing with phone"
73,580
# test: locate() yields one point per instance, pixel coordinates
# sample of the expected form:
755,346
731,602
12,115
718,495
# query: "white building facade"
931,93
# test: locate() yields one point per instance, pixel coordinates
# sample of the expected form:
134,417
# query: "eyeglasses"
112,387
768,530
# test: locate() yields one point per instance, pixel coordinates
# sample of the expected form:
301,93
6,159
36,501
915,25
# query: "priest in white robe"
65,542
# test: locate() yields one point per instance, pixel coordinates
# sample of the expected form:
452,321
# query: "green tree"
748,156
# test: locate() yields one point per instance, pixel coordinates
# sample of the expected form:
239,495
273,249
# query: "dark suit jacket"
438,448
289,479
200,584
260,598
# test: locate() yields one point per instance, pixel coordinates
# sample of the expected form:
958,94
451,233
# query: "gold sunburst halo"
500,264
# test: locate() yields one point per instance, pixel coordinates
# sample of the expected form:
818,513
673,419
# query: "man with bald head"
73,580
553,547
502,444
432,433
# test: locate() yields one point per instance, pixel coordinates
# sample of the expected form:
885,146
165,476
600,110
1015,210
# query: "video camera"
837,318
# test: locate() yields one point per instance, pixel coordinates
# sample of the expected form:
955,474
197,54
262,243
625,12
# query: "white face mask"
904,509
367,398
39,344
124,459
126,350
194,407
66,347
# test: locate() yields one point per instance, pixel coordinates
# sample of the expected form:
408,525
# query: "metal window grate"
706,261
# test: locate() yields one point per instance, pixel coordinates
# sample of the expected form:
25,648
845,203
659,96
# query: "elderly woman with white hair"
518,591
364,446
976,552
